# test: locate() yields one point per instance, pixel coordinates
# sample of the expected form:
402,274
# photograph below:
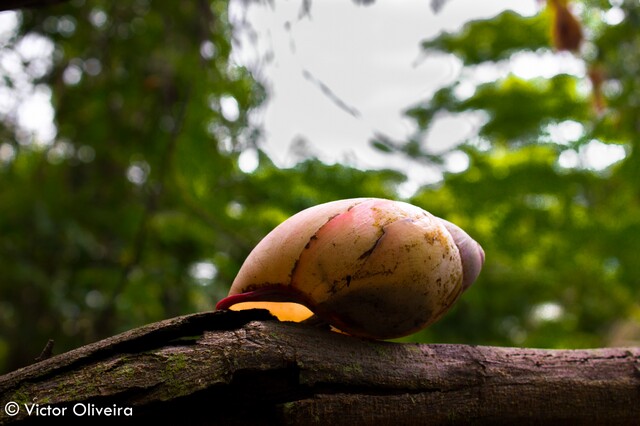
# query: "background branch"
24,4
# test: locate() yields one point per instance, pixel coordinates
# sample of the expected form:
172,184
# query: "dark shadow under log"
246,368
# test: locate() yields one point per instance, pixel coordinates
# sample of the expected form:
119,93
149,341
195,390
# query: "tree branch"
243,367
27,4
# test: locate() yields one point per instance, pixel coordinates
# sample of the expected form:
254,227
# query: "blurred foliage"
137,210
558,229
489,41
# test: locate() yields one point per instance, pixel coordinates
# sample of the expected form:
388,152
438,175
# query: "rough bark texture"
246,368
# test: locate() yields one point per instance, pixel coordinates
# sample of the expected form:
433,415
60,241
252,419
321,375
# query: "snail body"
370,267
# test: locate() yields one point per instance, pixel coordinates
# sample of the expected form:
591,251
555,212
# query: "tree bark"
247,368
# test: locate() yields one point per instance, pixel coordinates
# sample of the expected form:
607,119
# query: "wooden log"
247,368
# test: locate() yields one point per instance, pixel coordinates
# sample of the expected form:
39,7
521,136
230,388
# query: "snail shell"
370,267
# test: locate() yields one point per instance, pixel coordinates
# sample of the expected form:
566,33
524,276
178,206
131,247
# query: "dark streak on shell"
312,239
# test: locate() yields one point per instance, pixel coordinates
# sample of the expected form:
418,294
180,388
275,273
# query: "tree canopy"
133,208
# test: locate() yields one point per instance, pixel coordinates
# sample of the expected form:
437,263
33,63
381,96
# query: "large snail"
369,267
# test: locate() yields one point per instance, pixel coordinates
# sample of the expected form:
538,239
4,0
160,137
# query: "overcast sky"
335,78
370,60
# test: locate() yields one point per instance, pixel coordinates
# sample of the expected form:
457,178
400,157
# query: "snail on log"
369,267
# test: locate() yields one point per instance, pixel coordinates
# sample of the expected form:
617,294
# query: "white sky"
370,58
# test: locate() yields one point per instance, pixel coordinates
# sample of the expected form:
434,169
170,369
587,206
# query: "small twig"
47,352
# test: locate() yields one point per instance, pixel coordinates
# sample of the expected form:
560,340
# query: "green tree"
558,230
137,209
